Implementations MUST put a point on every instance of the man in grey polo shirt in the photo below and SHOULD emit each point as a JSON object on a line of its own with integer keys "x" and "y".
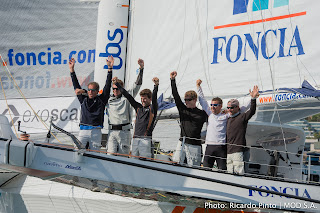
{"x": 120, "y": 116}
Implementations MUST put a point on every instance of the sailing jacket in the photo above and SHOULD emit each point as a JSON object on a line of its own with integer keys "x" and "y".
{"x": 191, "y": 120}
{"x": 92, "y": 110}
{"x": 237, "y": 128}
{"x": 145, "y": 116}
{"x": 119, "y": 109}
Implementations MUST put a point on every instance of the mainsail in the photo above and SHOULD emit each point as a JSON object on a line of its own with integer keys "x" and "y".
{"x": 231, "y": 45}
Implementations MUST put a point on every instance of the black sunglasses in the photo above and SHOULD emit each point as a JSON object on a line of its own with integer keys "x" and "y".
{"x": 215, "y": 105}
{"x": 188, "y": 99}
{"x": 231, "y": 107}
{"x": 92, "y": 90}
{"x": 115, "y": 88}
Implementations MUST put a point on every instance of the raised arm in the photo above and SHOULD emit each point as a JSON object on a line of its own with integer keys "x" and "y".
{"x": 175, "y": 93}
{"x": 137, "y": 85}
{"x": 155, "y": 95}
{"x": 254, "y": 95}
{"x": 73, "y": 75}
{"x": 202, "y": 100}
{"x": 131, "y": 100}
{"x": 106, "y": 90}
{"x": 75, "y": 82}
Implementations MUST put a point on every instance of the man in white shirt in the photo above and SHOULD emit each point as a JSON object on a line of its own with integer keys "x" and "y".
{"x": 216, "y": 149}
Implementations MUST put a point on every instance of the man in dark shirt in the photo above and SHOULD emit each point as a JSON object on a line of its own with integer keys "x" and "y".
{"x": 236, "y": 132}
{"x": 92, "y": 111}
{"x": 191, "y": 122}
{"x": 145, "y": 116}
{"x": 92, "y": 107}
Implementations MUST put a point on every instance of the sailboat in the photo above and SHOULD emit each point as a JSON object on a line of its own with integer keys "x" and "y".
{"x": 231, "y": 45}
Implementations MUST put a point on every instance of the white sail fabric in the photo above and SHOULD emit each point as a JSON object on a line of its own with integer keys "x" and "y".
{"x": 231, "y": 45}
{"x": 37, "y": 38}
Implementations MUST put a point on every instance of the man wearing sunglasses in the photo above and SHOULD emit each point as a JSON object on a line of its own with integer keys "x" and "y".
{"x": 146, "y": 113}
{"x": 191, "y": 122}
{"x": 92, "y": 111}
{"x": 216, "y": 148}
{"x": 92, "y": 107}
{"x": 120, "y": 115}
{"x": 236, "y": 132}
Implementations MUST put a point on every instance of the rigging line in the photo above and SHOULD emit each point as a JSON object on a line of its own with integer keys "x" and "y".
{"x": 201, "y": 47}
{"x": 24, "y": 98}
{"x": 182, "y": 47}
{"x": 273, "y": 86}
{"x": 299, "y": 71}
{"x": 130, "y": 38}
{"x": 207, "y": 39}
{"x": 4, "y": 94}
{"x": 125, "y": 65}
{"x": 297, "y": 56}
{"x": 256, "y": 53}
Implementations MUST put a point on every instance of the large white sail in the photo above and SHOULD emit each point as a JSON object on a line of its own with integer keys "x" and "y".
{"x": 231, "y": 45}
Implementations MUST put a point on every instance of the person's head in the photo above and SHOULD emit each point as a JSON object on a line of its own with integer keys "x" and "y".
{"x": 146, "y": 95}
{"x": 216, "y": 105}
{"x": 93, "y": 89}
{"x": 115, "y": 89}
{"x": 233, "y": 106}
{"x": 190, "y": 99}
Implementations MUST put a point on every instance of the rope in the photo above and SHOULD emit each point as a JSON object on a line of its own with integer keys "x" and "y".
{"x": 24, "y": 98}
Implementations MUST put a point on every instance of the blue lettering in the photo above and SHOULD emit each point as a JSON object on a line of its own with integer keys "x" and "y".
{"x": 266, "y": 194}
{"x": 4, "y": 82}
{"x": 285, "y": 190}
{"x": 20, "y": 61}
{"x": 34, "y": 58}
{"x": 282, "y": 40}
{"x": 82, "y": 54}
{"x": 229, "y": 47}
{"x": 10, "y": 56}
{"x": 49, "y": 56}
{"x": 264, "y": 45}
{"x": 306, "y": 194}
{"x": 57, "y": 59}
{"x": 254, "y": 48}
{"x": 233, "y": 52}
{"x": 115, "y": 45}
{"x": 296, "y": 38}
{"x": 90, "y": 54}
{"x": 275, "y": 189}
{"x": 251, "y": 191}
{"x": 39, "y": 82}
{"x": 40, "y": 58}
{"x": 71, "y": 54}
{"x": 216, "y": 49}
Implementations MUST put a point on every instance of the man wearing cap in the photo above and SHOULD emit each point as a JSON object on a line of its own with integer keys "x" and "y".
{"x": 236, "y": 132}
{"x": 191, "y": 122}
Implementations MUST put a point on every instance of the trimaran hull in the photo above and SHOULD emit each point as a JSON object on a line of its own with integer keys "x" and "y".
{"x": 50, "y": 160}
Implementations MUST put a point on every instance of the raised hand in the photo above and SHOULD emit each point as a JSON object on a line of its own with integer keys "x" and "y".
{"x": 79, "y": 91}
{"x": 173, "y": 75}
{"x": 198, "y": 83}
{"x": 114, "y": 79}
{"x": 71, "y": 64}
{"x": 110, "y": 61}
{"x": 141, "y": 63}
{"x": 255, "y": 92}
{"x": 155, "y": 81}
